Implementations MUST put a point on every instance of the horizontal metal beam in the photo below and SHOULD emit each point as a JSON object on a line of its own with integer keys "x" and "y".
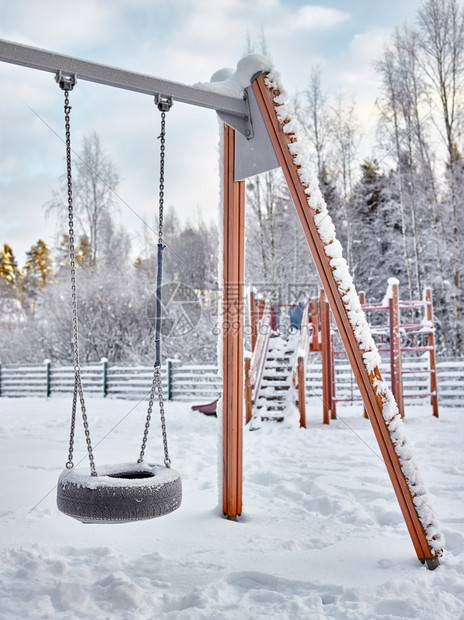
{"x": 44, "y": 60}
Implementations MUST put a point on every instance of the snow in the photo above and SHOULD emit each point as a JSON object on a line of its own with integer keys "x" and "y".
{"x": 232, "y": 83}
{"x": 80, "y": 476}
{"x": 321, "y": 535}
{"x": 391, "y": 282}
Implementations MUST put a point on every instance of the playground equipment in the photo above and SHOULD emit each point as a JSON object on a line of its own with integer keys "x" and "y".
{"x": 208, "y": 408}
{"x": 401, "y": 341}
{"x": 128, "y": 491}
{"x": 259, "y": 134}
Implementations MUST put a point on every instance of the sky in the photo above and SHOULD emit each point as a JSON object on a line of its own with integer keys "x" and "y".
{"x": 183, "y": 41}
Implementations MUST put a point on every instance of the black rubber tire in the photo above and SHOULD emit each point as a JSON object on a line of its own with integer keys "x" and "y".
{"x": 120, "y": 493}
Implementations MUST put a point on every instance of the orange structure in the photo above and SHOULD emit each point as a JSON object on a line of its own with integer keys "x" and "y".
{"x": 421, "y": 340}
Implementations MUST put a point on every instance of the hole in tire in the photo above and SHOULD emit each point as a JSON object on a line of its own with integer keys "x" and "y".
{"x": 133, "y": 475}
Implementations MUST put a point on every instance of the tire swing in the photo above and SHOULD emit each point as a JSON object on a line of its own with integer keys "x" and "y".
{"x": 122, "y": 492}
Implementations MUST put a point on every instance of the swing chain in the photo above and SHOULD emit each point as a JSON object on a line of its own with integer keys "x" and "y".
{"x": 162, "y": 138}
{"x": 164, "y": 105}
{"x": 66, "y": 86}
{"x": 156, "y": 386}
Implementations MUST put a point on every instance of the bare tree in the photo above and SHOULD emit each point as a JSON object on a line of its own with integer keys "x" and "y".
{"x": 441, "y": 40}
{"x": 346, "y": 138}
{"x": 95, "y": 182}
{"x": 316, "y": 119}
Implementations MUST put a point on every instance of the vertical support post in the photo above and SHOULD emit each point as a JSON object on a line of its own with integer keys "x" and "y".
{"x": 48, "y": 382}
{"x": 333, "y": 405}
{"x": 1, "y": 379}
{"x": 302, "y": 390}
{"x": 253, "y": 319}
{"x": 432, "y": 358}
{"x": 104, "y": 362}
{"x": 233, "y": 320}
{"x": 315, "y": 345}
{"x": 261, "y": 304}
{"x": 248, "y": 390}
{"x": 169, "y": 371}
{"x": 395, "y": 348}
{"x": 368, "y": 381}
{"x": 325, "y": 350}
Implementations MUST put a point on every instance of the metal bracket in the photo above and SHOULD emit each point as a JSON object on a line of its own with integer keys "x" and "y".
{"x": 242, "y": 124}
{"x": 163, "y": 102}
{"x": 255, "y": 155}
{"x": 66, "y": 81}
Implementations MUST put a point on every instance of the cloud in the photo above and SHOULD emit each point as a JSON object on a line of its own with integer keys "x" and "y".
{"x": 59, "y": 23}
{"x": 313, "y": 17}
{"x": 184, "y": 41}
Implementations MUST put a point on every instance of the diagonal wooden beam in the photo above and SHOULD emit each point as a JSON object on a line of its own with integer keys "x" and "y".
{"x": 367, "y": 381}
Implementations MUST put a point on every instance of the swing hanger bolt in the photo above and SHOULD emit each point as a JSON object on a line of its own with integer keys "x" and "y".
{"x": 66, "y": 81}
{"x": 164, "y": 102}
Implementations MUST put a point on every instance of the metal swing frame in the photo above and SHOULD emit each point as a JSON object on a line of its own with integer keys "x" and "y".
{"x": 254, "y": 141}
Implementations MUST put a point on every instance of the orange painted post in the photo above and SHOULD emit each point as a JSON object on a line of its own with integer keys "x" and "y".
{"x": 315, "y": 344}
{"x": 261, "y": 306}
{"x": 368, "y": 382}
{"x": 302, "y": 390}
{"x": 248, "y": 390}
{"x": 395, "y": 348}
{"x": 299, "y": 373}
{"x": 253, "y": 319}
{"x": 325, "y": 348}
{"x": 233, "y": 323}
{"x": 432, "y": 358}
{"x": 333, "y": 404}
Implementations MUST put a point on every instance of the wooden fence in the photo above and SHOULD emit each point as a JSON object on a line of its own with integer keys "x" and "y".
{"x": 201, "y": 383}
{"x": 416, "y": 380}
{"x": 180, "y": 382}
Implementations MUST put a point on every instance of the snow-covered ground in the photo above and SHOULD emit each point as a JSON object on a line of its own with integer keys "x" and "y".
{"x": 321, "y": 535}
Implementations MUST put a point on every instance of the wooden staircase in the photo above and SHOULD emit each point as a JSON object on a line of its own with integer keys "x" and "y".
{"x": 276, "y": 387}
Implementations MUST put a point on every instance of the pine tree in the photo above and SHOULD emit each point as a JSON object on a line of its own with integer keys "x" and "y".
{"x": 10, "y": 275}
{"x": 39, "y": 265}
{"x": 83, "y": 252}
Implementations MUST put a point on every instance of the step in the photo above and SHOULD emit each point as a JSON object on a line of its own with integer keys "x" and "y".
{"x": 270, "y": 410}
